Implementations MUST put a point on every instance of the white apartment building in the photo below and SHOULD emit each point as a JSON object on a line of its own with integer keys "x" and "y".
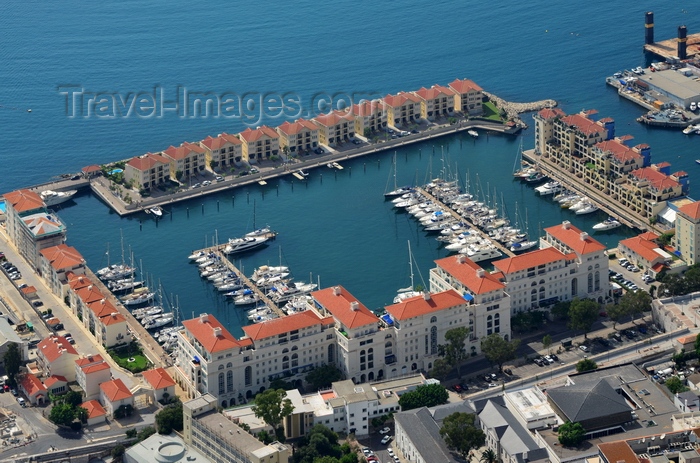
{"x": 488, "y": 303}
{"x": 420, "y": 324}
{"x": 688, "y": 232}
{"x": 588, "y": 278}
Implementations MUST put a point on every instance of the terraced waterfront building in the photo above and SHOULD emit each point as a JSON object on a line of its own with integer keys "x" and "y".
{"x": 586, "y": 149}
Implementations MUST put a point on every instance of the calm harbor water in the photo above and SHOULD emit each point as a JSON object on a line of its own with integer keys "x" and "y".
{"x": 338, "y": 229}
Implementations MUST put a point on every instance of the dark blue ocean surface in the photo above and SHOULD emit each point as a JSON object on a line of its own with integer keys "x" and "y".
{"x": 56, "y": 57}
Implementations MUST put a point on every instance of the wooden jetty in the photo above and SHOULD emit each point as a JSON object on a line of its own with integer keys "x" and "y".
{"x": 219, "y": 251}
{"x": 298, "y": 175}
{"x": 475, "y": 228}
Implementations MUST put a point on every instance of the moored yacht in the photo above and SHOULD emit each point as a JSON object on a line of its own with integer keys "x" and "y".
{"x": 54, "y": 198}
{"x": 607, "y": 224}
{"x": 236, "y": 245}
{"x": 522, "y": 246}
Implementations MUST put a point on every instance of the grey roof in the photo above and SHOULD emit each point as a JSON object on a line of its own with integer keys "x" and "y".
{"x": 7, "y": 333}
{"x": 588, "y": 400}
{"x": 164, "y": 449}
{"x": 690, "y": 396}
{"x": 424, "y": 433}
{"x": 514, "y": 438}
{"x": 441, "y": 411}
{"x": 479, "y": 404}
{"x": 694, "y": 378}
{"x": 673, "y": 82}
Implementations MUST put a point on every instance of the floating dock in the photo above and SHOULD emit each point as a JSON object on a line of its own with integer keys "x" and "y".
{"x": 337, "y": 166}
{"x": 299, "y": 176}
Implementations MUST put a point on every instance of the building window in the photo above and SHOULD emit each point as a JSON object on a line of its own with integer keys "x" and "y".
{"x": 295, "y": 360}
{"x": 433, "y": 340}
{"x": 222, "y": 388}
{"x": 248, "y": 376}
{"x": 229, "y": 381}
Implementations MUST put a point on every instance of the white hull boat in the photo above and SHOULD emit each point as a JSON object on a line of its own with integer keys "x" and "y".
{"x": 607, "y": 224}
{"x": 523, "y": 246}
{"x": 587, "y": 209}
{"x": 54, "y": 198}
{"x": 480, "y": 254}
{"x": 236, "y": 245}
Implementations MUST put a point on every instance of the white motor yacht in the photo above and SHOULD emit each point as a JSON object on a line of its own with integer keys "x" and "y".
{"x": 54, "y": 198}
{"x": 607, "y": 224}
{"x": 236, "y": 245}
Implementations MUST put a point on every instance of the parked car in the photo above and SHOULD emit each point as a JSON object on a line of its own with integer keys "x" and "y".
{"x": 386, "y": 430}
{"x": 196, "y": 185}
{"x": 457, "y": 388}
{"x": 20, "y": 401}
{"x": 37, "y": 303}
{"x": 14, "y": 392}
{"x": 206, "y": 183}
{"x": 357, "y": 142}
{"x": 386, "y": 439}
{"x": 583, "y": 348}
{"x": 366, "y": 451}
{"x": 508, "y": 371}
{"x": 219, "y": 178}
{"x": 22, "y": 286}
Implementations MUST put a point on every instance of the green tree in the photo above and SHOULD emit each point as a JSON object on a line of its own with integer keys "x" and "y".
{"x": 561, "y": 310}
{"x": 170, "y": 418}
{"x": 62, "y": 414}
{"x": 12, "y": 359}
{"x": 586, "y": 365}
{"x": 72, "y": 398}
{"x": 131, "y": 433}
{"x": 178, "y": 175}
{"x": 367, "y": 132}
{"x": 675, "y": 385}
{"x": 146, "y": 432}
{"x": 118, "y": 452}
{"x": 616, "y": 312}
{"x": 497, "y": 350}
{"x": 265, "y": 437}
{"x": 582, "y": 314}
{"x": 279, "y": 383}
{"x": 460, "y": 433}
{"x": 441, "y": 368}
{"x": 455, "y": 351}
{"x": 546, "y": 342}
{"x": 428, "y": 395}
{"x": 81, "y": 414}
{"x": 697, "y": 345}
{"x": 322, "y": 377}
{"x": 571, "y": 434}
{"x": 213, "y": 164}
{"x": 679, "y": 359}
{"x": 272, "y": 407}
{"x": 488, "y": 456}
{"x": 635, "y": 303}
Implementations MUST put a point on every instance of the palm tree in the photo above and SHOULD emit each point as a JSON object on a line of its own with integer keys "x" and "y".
{"x": 488, "y": 456}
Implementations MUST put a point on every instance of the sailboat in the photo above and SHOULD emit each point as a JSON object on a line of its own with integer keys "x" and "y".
{"x": 397, "y": 191}
{"x": 115, "y": 271}
{"x": 524, "y": 244}
{"x": 265, "y": 231}
{"x": 409, "y": 292}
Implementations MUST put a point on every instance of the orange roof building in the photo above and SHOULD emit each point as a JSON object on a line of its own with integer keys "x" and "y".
{"x": 688, "y": 232}
{"x": 644, "y": 251}
{"x": 56, "y": 262}
{"x": 469, "y": 278}
{"x": 148, "y": 170}
{"x": 349, "y": 313}
{"x": 95, "y": 411}
{"x": 300, "y": 135}
{"x": 33, "y": 389}
{"x": 161, "y": 382}
{"x": 260, "y": 143}
{"x": 56, "y": 356}
{"x": 567, "y": 239}
{"x": 307, "y": 321}
{"x": 369, "y": 115}
{"x": 469, "y": 97}
{"x": 115, "y": 394}
{"x": 188, "y": 158}
{"x": 402, "y": 109}
{"x": 335, "y": 127}
{"x": 224, "y": 150}
{"x": 90, "y": 372}
{"x": 436, "y": 101}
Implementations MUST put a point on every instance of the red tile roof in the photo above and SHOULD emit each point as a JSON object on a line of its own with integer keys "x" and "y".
{"x": 643, "y": 247}
{"x": 92, "y": 363}
{"x": 112, "y": 319}
{"x": 31, "y": 384}
{"x": 620, "y": 151}
{"x": 619, "y": 451}
{"x": 339, "y": 302}
{"x": 77, "y": 282}
{"x": 41, "y": 224}
{"x": 529, "y": 260}
{"x": 147, "y": 161}
{"x": 53, "y": 379}
{"x": 573, "y": 238}
{"x": 398, "y": 100}
{"x": 224, "y": 138}
{"x": 658, "y": 180}
{"x": 94, "y": 368}
{"x": 102, "y": 308}
{"x": 158, "y": 378}
{"x": 55, "y": 346}
{"x": 89, "y": 294}
{"x": 551, "y": 113}
{"x": 692, "y": 210}
{"x": 62, "y": 256}
{"x": 468, "y": 273}
{"x": 249, "y": 134}
{"x": 367, "y": 108}
{"x": 436, "y": 91}
{"x": 203, "y": 329}
{"x": 91, "y": 168}
{"x": 297, "y": 321}
{"x": 291, "y": 128}
{"x": 424, "y": 305}
{"x": 115, "y": 390}
{"x": 583, "y": 124}
{"x": 663, "y": 164}
{"x": 28, "y": 290}
{"x": 24, "y": 200}
{"x": 94, "y": 408}
{"x": 183, "y": 151}
{"x": 333, "y": 118}
{"x": 464, "y": 86}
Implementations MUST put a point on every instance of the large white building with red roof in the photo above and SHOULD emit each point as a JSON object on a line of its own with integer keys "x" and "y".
{"x": 90, "y": 372}
{"x": 114, "y": 394}
{"x": 488, "y": 303}
{"x": 419, "y": 324}
{"x": 33, "y": 389}
{"x": 646, "y": 253}
{"x": 688, "y": 232}
{"x": 590, "y": 269}
{"x": 56, "y": 263}
{"x": 56, "y": 356}
{"x": 160, "y": 381}
{"x": 30, "y": 226}
{"x": 147, "y": 171}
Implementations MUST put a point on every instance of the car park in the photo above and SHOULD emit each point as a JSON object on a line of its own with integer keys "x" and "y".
{"x": 386, "y": 439}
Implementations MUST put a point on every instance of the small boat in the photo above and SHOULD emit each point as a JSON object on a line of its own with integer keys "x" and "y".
{"x": 587, "y": 209}
{"x": 196, "y": 255}
{"x": 266, "y": 231}
{"x": 548, "y": 188}
{"x": 473, "y": 133}
{"x": 266, "y": 270}
{"x": 691, "y": 129}
{"x": 302, "y": 173}
{"x": 162, "y": 321}
{"x": 246, "y": 299}
{"x": 54, "y": 198}
{"x": 534, "y": 177}
{"x": 156, "y": 211}
{"x": 138, "y": 299}
{"x": 522, "y": 246}
{"x": 399, "y": 191}
{"x": 607, "y": 224}
{"x": 115, "y": 272}
{"x": 697, "y": 161}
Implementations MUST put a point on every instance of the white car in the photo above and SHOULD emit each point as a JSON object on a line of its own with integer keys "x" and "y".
{"x": 206, "y": 183}
{"x": 386, "y": 440}
{"x": 390, "y": 452}
{"x": 385, "y": 431}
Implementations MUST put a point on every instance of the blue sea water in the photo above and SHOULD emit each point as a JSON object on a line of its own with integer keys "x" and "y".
{"x": 337, "y": 227}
